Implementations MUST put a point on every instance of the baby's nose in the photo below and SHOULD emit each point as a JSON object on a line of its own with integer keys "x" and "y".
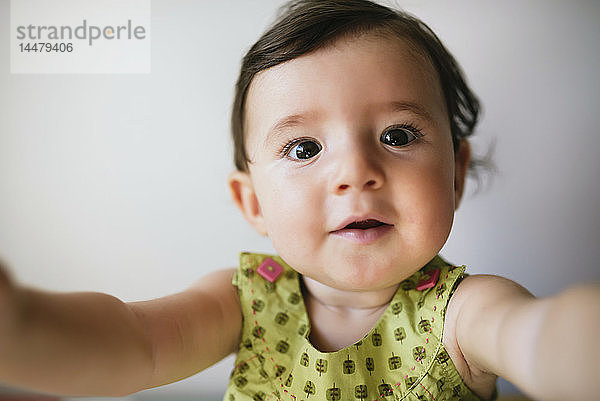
{"x": 359, "y": 172}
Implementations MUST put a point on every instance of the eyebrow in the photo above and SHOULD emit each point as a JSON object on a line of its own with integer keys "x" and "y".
{"x": 292, "y": 120}
{"x": 412, "y": 107}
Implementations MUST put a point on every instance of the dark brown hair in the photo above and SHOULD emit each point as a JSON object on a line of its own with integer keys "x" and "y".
{"x": 305, "y": 26}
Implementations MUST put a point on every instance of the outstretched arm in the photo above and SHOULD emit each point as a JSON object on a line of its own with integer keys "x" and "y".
{"x": 548, "y": 347}
{"x": 192, "y": 330}
{"x": 94, "y": 344}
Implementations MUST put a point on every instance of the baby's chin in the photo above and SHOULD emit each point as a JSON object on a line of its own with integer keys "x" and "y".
{"x": 357, "y": 268}
{"x": 359, "y": 277}
{"x": 371, "y": 281}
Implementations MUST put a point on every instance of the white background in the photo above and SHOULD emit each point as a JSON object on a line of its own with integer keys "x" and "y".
{"x": 117, "y": 183}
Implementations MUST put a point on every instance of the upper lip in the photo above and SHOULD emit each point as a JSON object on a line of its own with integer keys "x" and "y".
{"x": 361, "y": 218}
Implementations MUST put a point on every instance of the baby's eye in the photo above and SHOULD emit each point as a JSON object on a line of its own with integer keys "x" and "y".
{"x": 304, "y": 149}
{"x": 397, "y": 136}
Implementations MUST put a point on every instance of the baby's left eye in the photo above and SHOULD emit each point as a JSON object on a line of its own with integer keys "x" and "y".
{"x": 397, "y": 136}
{"x": 303, "y": 149}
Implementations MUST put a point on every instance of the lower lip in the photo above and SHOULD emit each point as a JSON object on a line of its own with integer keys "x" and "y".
{"x": 363, "y": 237}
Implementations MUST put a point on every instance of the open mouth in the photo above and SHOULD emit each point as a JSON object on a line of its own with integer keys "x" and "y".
{"x": 364, "y": 231}
{"x": 365, "y": 224}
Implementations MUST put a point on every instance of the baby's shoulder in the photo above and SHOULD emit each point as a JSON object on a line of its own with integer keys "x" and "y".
{"x": 474, "y": 311}
{"x": 474, "y": 291}
{"x": 481, "y": 297}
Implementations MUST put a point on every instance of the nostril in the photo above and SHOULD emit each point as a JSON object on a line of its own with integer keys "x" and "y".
{"x": 344, "y": 186}
{"x": 370, "y": 183}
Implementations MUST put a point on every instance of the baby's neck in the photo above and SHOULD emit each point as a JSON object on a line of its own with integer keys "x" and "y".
{"x": 341, "y": 318}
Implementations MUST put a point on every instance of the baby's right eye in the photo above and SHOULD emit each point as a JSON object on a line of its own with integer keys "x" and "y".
{"x": 303, "y": 149}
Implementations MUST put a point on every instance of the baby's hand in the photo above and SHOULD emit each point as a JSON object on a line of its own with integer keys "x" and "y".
{"x": 8, "y": 313}
{"x": 4, "y": 278}
{"x": 5, "y": 294}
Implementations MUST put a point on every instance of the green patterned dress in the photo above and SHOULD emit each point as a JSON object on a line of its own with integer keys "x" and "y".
{"x": 401, "y": 358}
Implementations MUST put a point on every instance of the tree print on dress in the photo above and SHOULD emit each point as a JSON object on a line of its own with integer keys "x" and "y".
{"x": 361, "y": 392}
{"x": 282, "y": 347}
{"x": 424, "y": 326}
{"x": 247, "y": 343}
{"x": 294, "y": 298}
{"x": 442, "y": 357}
{"x": 376, "y": 339}
{"x": 270, "y": 287}
{"x": 419, "y": 353}
{"x": 302, "y": 329}
{"x": 321, "y": 366}
{"x": 421, "y": 301}
{"x": 258, "y": 331}
{"x": 333, "y": 393}
{"x": 279, "y": 370}
{"x": 394, "y": 362}
{"x": 370, "y": 365}
{"x": 248, "y": 273}
{"x": 456, "y": 390}
{"x": 282, "y": 318}
{"x": 309, "y": 388}
{"x": 240, "y": 381}
{"x": 304, "y": 359}
{"x": 349, "y": 367}
{"x": 289, "y": 380}
{"x": 408, "y": 284}
{"x": 258, "y": 305}
{"x": 399, "y": 334}
{"x": 384, "y": 389}
{"x": 243, "y": 368}
{"x": 396, "y": 308}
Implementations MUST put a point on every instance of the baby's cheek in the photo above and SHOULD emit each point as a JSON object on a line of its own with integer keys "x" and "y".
{"x": 439, "y": 215}
{"x": 427, "y": 207}
{"x": 287, "y": 216}
{"x": 295, "y": 229}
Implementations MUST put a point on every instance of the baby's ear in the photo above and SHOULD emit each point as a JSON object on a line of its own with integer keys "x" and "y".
{"x": 462, "y": 158}
{"x": 244, "y": 196}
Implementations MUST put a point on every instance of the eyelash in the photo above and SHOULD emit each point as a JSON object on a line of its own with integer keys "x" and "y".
{"x": 285, "y": 149}
{"x": 411, "y": 126}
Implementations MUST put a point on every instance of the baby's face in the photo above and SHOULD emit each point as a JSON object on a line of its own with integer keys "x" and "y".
{"x": 352, "y": 162}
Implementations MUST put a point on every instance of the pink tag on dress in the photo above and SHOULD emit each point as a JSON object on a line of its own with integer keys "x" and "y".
{"x": 429, "y": 280}
{"x": 270, "y": 269}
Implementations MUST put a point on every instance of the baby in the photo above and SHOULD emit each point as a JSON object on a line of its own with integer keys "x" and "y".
{"x": 350, "y": 125}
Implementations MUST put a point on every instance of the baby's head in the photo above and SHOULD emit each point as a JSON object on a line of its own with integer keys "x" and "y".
{"x": 306, "y": 26}
{"x": 350, "y": 123}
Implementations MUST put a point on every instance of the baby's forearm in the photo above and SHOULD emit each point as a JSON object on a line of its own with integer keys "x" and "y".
{"x": 548, "y": 347}
{"x": 566, "y": 356}
{"x": 72, "y": 344}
